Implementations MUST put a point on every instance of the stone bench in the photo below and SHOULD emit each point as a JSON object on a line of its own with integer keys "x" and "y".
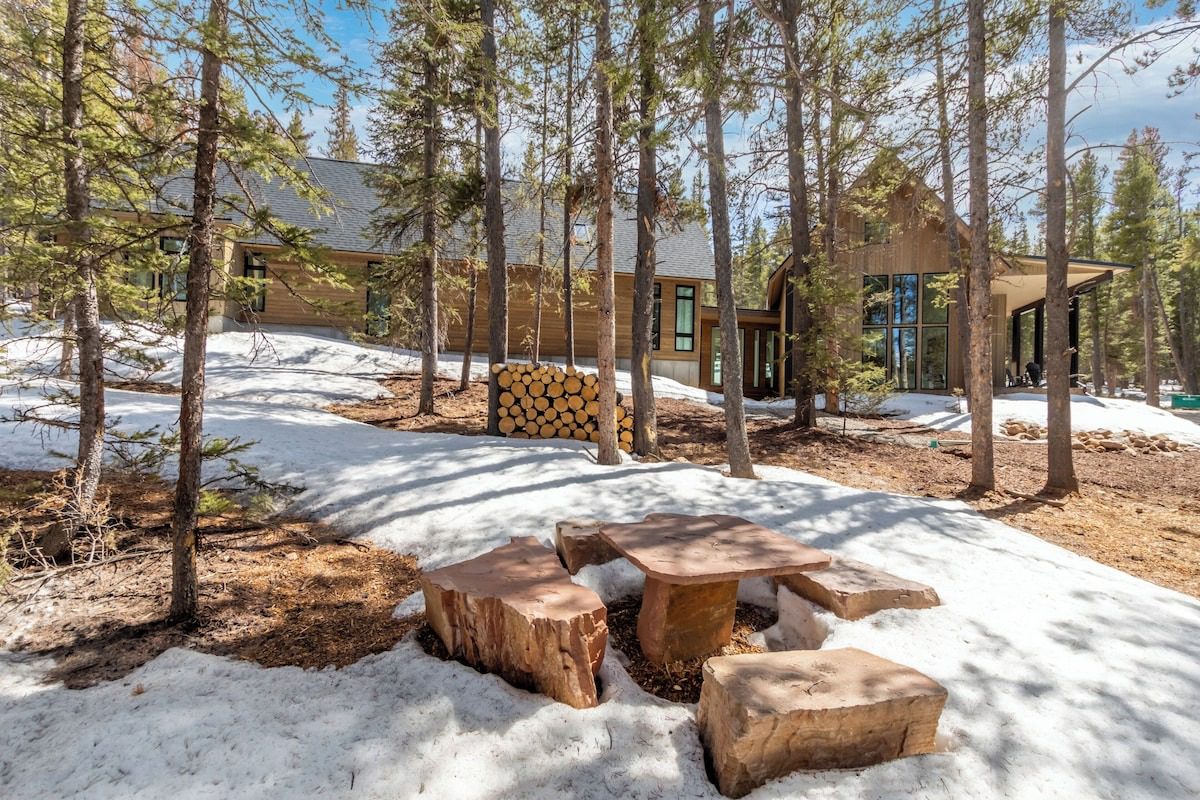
{"x": 853, "y": 590}
{"x": 515, "y": 612}
{"x": 579, "y": 544}
{"x": 765, "y": 715}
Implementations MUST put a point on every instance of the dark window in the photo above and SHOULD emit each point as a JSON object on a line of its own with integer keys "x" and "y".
{"x": 904, "y": 300}
{"x": 685, "y": 318}
{"x": 379, "y": 303}
{"x": 580, "y": 233}
{"x": 256, "y": 268}
{"x": 656, "y": 319}
{"x": 934, "y": 309}
{"x": 904, "y": 357}
{"x": 173, "y": 282}
{"x": 934, "y": 341}
{"x": 875, "y": 299}
{"x": 875, "y": 346}
{"x": 877, "y": 232}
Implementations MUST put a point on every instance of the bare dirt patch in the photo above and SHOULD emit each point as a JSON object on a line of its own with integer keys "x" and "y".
{"x": 1138, "y": 513}
{"x": 276, "y": 591}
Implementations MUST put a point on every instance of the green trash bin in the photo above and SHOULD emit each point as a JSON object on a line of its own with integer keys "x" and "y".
{"x": 1185, "y": 401}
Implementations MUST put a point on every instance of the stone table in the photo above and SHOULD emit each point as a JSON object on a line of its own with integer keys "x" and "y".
{"x": 692, "y": 567}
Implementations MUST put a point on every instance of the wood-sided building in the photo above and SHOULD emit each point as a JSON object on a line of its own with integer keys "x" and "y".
{"x": 292, "y": 298}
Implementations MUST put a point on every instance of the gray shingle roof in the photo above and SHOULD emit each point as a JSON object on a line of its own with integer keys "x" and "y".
{"x": 683, "y": 252}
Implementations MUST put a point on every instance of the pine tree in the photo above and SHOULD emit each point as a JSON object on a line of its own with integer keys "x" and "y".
{"x": 342, "y": 140}
{"x": 606, "y": 334}
{"x": 297, "y": 134}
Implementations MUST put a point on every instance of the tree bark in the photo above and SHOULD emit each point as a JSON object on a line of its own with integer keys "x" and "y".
{"x": 464, "y": 381}
{"x": 429, "y": 256}
{"x": 983, "y": 473}
{"x": 1149, "y": 334}
{"x": 606, "y": 334}
{"x": 568, "y": 198}
{"x": 493, "y": 212}
{"x": 802, "y": 321}
{"x": 645, "y": 424}
{"x": 89, "y": 456}
{"x": 955, "y": 263}
{"x": 184, "y": 590}
{"x": 1189, "y": 327}
{"x": 1060, "y": 472}
{"x": 736, "y": 442}
{"x": 1173, "y": 338}
{"x": 541, "y": 252}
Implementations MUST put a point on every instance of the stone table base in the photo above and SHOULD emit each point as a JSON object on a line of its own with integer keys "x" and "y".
{"x": 682, "y": 621}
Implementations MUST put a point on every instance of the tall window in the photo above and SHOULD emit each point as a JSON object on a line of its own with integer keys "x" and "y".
{"x": 379, "y": 303}
{"x": 878, "y": 231}
{"x": 255, "y": 267}
{"x": 656, "y": 319}
{"x": 905, "y": 329}
{"x": 685, "y": 318}
{"x": 173, "y": 282}
{"x": 904, "y": 299}
{"x": 935, "y": 333}
{"x": 716, "y": 352}
{"x": 875, "y": 319}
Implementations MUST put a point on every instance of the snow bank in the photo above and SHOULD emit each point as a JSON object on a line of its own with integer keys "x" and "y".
{"x": 1088, "y": 413}
{"x": 1066, "y": 678}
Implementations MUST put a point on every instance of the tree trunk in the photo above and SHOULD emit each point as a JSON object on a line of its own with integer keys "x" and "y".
{"x": 1060, "y": 472}
{"x": 541, "y": 253}
{"x": 1097, "y": 342}
{"x": 802, "y": 382}
{"x": 464, "y": 381}
{"x": 66, "y": 355}
{"x": 1149, "y": 335}
{"x": 955, "y": 263}
{"x": 736, "y": 441}
{"x": 1173, "y": 338}
{"x": 568, "y": 199}
{"x": 1189, "y": 327}
{"x": 833, "y": 178}
{"x": 983, "y": 474}
{"x": 645, "y": 424}
{"x": 184, "y": 590}
{"x": 606, "y": 334}
{"x": 493, "y": 221}
{"x": 89, "y": 456}
{"x": 429, "y": 256}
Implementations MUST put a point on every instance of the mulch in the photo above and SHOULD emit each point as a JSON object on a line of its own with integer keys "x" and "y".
{"x": 275, "y": 591}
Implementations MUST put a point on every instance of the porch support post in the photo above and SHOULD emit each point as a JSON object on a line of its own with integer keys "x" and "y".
{"x": 1073, "y": 336}
{"x": 1039, "y": 332}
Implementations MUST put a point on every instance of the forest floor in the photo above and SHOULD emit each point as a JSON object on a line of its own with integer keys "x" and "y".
{"x": 275, "y": 591}
{"x": 1139, "y": 513}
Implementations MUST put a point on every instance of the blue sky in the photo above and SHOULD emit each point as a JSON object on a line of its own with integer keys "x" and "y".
{"x": 1113, "y": 103}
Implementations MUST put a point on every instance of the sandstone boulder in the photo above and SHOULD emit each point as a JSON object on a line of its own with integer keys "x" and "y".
{"x": 764, "y": 715}
{"x": 514, "y": 611}
{"x": 853, "y": 590}
{"x": 579, "y": 544}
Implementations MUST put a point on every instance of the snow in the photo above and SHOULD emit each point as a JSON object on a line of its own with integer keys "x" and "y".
{"x": 1088, "y": 413}
{"x": 1066, "y": 678}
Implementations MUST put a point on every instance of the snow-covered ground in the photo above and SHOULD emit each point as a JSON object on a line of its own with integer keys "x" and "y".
{"x": 1088, "y": 413}
{"x": 1066, "y": 678}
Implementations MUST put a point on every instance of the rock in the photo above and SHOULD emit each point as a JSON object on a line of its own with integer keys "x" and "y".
{"x": 682, "y": 621}
{"x": 514, "y": 611}
{"x": 1112, "y": 444}
{"x": 764, "y": 715}
{"x": 579, "y": 544}
{"x": 853, "y": 590}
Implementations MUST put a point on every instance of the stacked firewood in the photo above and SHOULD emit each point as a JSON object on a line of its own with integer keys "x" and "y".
{"x": 541, "y": 401}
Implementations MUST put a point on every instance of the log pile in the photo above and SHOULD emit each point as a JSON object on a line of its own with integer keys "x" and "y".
{"x": 546, "y": 402}
{"x": 1097, "y": 441}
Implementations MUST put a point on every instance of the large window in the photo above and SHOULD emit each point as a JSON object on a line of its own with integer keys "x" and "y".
{"x": 716, "y": 352}
{"x": 656, "y": 319}
{"x": 904, "y": 357}
{"x": 173, "y": 282}
{"x": 255, "y": 267}
{"x": 934, "y": 307}
{"x": 685, "y": 318}
{"x": 379, "y": 303}
{"x": 934, "y": 344}
{"x": 905, "y": 329}
{"x": 904, "y": 299}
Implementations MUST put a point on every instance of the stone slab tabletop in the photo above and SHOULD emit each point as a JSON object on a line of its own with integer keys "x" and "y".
{"x": 682, "y": 549}
{"x": 525, "y": 574}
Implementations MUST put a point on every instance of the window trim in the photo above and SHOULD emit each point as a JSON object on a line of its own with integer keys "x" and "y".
{"x": 656, "y": 318}
{"x": 921, "y": 334}
{"x": 689, "y": 300}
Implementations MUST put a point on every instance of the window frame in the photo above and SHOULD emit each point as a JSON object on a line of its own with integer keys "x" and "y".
{"x": 180, "y": 293}
{"x": 656, "y": 318}
{"x": 923, "y": 333}
{"x": 943, "y": 312}
{"x": 689, "y": 301}
{"x": 898, "y": 318}
{"x": 386, "y": 318}
{"x": 251, "y": 262}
